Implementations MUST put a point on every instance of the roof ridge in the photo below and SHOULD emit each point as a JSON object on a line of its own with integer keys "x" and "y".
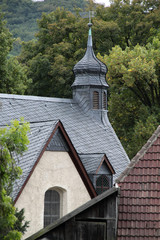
{"x": 36, "y": 98}
{"x": 92, "y": 154}
{"x": 137, "y": 157}
{"x": 48, "y": 122}
{"x": 37, "y": 123}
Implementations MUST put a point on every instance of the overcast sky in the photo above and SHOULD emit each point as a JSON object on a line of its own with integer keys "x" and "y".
{"x": 105, "y": 2}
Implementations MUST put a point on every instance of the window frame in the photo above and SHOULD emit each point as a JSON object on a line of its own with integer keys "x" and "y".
{"x": 53, "y": 203}
{"x": 100, "y": 188}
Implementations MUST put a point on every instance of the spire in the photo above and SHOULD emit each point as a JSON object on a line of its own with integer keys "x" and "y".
{"x": 90, "y": 86}
{"x": 90, "y": 65}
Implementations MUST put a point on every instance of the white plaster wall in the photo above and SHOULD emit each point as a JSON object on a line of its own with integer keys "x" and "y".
{"x": 54, "y": 170}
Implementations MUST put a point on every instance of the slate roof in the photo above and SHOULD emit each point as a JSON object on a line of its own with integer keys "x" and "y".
{"x": 139, "y": 206}
{"x": 87, "y": 135}
{"x": 88, "y": 159}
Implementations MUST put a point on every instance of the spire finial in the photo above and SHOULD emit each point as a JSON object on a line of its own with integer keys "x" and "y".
{"x": 90, "y": 26}
{"x": 90, "y": 14}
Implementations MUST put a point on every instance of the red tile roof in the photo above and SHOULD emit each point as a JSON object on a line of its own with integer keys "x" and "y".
{"x": 139, "y": 204}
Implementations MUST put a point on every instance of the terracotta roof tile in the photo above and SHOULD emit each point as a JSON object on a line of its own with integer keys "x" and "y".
{"x": 139, "y": 205}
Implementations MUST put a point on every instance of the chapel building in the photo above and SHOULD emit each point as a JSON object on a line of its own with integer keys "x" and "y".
{"x": 74, "y": 154}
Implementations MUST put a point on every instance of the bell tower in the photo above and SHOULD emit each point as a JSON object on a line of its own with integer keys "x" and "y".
{"x": 90, "y": 86}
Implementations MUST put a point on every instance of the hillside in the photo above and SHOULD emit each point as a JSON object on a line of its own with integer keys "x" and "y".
{"x": 22, "y": 15}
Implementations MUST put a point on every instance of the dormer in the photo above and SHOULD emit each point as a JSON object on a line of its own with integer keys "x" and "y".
{"x": 90, "y": 86}
{"x": 99, "y": 170}
{"x": 103, "y": 178}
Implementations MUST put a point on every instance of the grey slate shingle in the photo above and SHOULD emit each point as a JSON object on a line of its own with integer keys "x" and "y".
{"x": 91, "y": 162}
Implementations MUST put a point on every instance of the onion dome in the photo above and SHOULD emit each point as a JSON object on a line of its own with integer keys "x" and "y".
{"x": 90, "y": 70}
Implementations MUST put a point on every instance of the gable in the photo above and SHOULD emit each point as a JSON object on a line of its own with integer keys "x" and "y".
{"x": 54, "y": 138}
{"x": 93, "y": 163}
{"x": 100, "y": 171}
{"x": 55, "y": 170}
{"x": 58, "y": 142}
{"x": 105, "y": 167}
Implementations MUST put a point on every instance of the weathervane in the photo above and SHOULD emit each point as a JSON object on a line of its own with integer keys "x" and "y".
{"x": 89, "y": 14}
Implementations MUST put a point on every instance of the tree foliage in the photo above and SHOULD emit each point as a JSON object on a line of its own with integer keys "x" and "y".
{"x": 133, "y": 21}
{"x": 13, "y": 142}
{"x": 134, "y": 77}
{"x": 22, "y": 15}
{"x": 62, "y": 38}
{"x": 61, "y": 42}
{"x": 13, "y": 78}
{"x": 5, "y": 45}
{"x": 137, "y": 20}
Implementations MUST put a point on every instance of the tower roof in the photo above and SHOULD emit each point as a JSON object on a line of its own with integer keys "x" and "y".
{"x": 91, "y": 66}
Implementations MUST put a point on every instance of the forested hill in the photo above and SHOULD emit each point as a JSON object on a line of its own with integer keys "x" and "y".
{"x": 22, "y": 15}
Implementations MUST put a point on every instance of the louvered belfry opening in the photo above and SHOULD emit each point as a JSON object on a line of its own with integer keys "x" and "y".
{"x": 51, "y": 207}
{"x": 95, "y": 100}
{"x": 104, "y": 101}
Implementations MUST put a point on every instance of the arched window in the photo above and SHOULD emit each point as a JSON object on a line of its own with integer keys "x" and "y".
{"x": 95, "y": 100}
{"x": 51, "y": 207}
{"x": 104, "y": 101}
{"x": 102, "y": 184}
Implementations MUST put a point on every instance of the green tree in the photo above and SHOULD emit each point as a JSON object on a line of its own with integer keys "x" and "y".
{"x": 5, "y": 46}
{"x": 137, "y": 20}
{"x": 134, "y": 79}
{"x": 22, "y": 15}
{"x": 138, "y": 70}
{"x": 13, "y": 78}
{"x": 13, "y": 142}
{"x": 61, "y": 42}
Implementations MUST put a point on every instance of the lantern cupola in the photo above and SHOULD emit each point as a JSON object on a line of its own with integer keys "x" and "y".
{"x": 90, "y": 86}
